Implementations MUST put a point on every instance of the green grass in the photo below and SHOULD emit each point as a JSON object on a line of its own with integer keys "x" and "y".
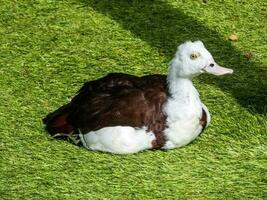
{"x": 49, "y": 48}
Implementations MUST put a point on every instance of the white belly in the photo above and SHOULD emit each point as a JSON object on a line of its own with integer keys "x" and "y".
{"x": 118, "y": 139}
{"x": 126, "y": 139}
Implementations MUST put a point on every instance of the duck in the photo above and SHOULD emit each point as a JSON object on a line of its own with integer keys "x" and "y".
{"x": 124, "y": 114}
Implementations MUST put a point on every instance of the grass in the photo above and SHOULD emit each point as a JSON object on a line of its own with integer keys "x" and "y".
{"x": 49, "y": 48}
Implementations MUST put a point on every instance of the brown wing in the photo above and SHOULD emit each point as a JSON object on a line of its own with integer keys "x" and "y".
{"x": 120, "y": 99}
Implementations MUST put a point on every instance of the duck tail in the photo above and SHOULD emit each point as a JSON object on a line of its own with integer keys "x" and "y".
{"x": 56, "y": 122}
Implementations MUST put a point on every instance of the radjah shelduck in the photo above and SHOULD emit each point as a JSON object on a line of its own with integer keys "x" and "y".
{"x": 123, "y": 114}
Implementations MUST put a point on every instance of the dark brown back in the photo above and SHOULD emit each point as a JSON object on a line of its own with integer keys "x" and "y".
{"x": 120, "y": 99}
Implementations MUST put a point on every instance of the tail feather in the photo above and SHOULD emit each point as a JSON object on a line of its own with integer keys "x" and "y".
{"x": 56, "y": 122}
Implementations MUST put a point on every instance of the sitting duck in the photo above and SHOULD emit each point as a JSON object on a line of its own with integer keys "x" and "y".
{"x": 123, "y": 114}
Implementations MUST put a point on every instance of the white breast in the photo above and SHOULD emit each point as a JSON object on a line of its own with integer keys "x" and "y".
{"x": 183, "y": 127}
{"x": 183, "y": 111}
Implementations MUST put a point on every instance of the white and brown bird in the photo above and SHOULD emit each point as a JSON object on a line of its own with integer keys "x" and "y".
{"x": 122, "y": 113}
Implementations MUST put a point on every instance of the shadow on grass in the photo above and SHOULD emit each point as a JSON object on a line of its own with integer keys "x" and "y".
{"x": 164, "y": 27}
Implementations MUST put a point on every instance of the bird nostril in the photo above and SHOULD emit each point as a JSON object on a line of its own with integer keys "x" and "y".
{"x": 212, "y": 65}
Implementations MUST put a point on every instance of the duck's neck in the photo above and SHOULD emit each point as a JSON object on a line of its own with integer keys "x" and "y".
{"x": 184, "y": 101}
{"x": 182, "y": 89}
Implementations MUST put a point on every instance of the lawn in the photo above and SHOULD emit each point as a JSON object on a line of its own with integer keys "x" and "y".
{"x": 49, "y": 48}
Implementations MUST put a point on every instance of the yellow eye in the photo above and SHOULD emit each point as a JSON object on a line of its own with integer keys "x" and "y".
{"x": 194, "y": 56}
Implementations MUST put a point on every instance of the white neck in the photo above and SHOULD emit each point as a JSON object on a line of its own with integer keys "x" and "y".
{"x": 180, "y": 87}
{"x": 184, "y": 99}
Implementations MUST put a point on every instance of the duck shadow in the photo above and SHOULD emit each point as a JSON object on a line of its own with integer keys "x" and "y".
{"x": 164, "y": 27}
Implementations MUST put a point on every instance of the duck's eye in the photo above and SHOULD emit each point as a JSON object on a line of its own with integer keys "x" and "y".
{"x": 194, "y": 56}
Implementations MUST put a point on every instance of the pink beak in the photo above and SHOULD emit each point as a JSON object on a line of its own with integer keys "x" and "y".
{"x": 217, "y": 70}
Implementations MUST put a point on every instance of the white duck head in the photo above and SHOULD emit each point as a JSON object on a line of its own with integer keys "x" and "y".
{"x": 192, "y": 59}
